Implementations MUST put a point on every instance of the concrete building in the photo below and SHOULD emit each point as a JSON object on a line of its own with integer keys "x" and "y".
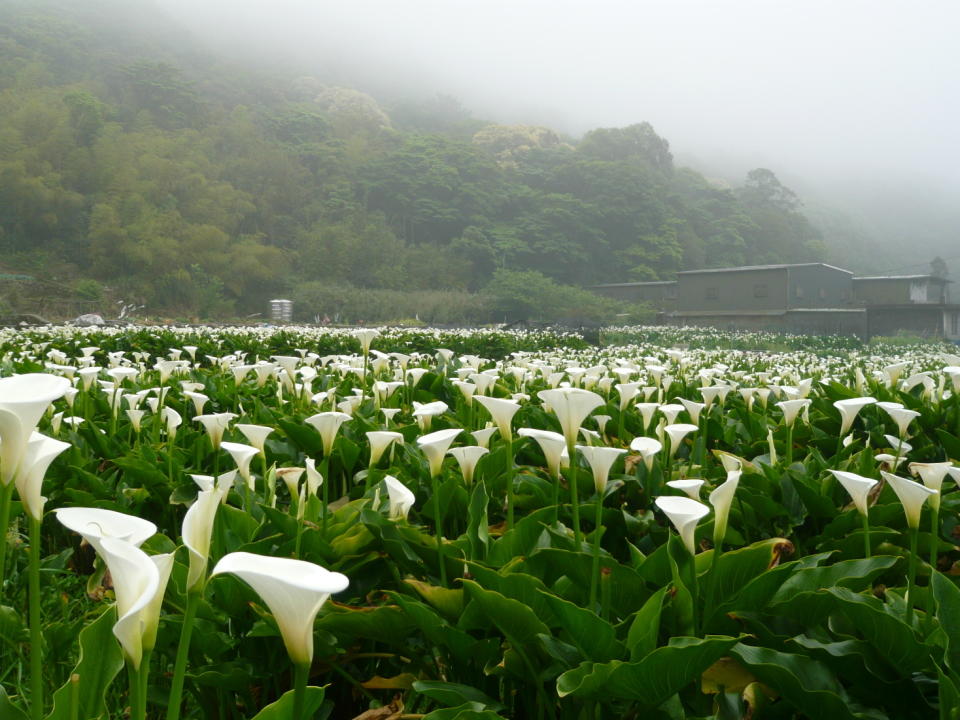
{"x": 813, "y": 298}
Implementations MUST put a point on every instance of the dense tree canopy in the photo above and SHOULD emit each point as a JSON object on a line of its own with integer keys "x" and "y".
{"x": 129, "y": 157}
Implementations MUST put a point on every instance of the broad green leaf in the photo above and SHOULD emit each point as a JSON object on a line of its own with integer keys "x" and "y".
{"x": 282, "y": 709}
{"x": 645, "y": 628}
{"x": 853, "y": 574}
{"x": 650, "y": 681}
{"x": 594, "y": 636}
{"x": 100, "y": 661}
{"x": 438, "y": 631}
{"x": 386, "y": 623}
{"x": 447, "y": 601}
{"x": 477, "y": 522}
{"x": 454, "y": 694}
{"x": 807, "y": 684}
{"x": 467, "y": 711}
{"x": 525, "y": 537}
{"x": 683, "y": 570}
{"x": 949, "y": 698}
{"x": 9, "y": 711}
{"x": 947, "y": 597}
{"x": 515, "y": 620}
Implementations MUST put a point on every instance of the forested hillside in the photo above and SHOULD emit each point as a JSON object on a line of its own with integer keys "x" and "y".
{"x": 131, "y": 158}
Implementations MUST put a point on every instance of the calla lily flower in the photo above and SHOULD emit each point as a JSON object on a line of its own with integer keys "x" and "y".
{"x": 328, "y": 425}
{"x": 571, "y": 406}
{"x": 689, "y": 487}
{"x": 900, "y": 415}
{"x": 23, "y": 400}
{"x": 242, "y": 455}
{"x": 792, "y": 408}
{"x": 648, "y": 448}
{"x": 380, "y": 442}
{"x": 256, "y": 435}
{"x": 912, "y": 496}
{"x": 857, "y": 486}
{"x": 722, "y": 498}
{"x": 425, "y": 412}
{"x": 671, "y": 411}
{"x": 366, "y": 336}
{"x": 849, "y": 409}
{"x": 627, "y": 392}
{"x": 684, "y": 513}
{"x": 693, "y": 409}
{"x": 646, "y": 412}
{"x": 677, "y": 433}
{"x": 139, "y": 591}
{"x": 502, "y": 412}
{"x": 222, "y": 483}
{"x": 171, "y": 421}
{"x": 197, "y": 531}
{"x": 199, "y": 401}
{"x": 932, "y": 475}
{"x": 215, "y": 425}
{"x": 293, "y": 590}
{"x": 41, "y": 451}
{"x": 483, "y": 436}
{"x": 552, "y": 445}
{"x": 94, "y": 524}
{"x": 600, "y": 459}
{"x": 291, "y": 478}
{"x": 467, "y": 457}
{"x": 401, "y": 498}
{"x": 314, "y": 478}
{"x": 435, "y": 445}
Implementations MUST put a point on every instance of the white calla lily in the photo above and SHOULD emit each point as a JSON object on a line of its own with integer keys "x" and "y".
{"x": 256, "y": 435}
{"x": 722, "y": 499}
{"x": 600, "y": 459}
{"x": 552, "y": 445}
{"x": 23, "y": 400}
{"x": 94, "y": 524}
{"x": 293, "y": 590}
{"x": 677, "y": 432}
{"x": 242, "y": 455}
{"x": 690, "y": 487}
{"x": 197, "y": 532}
{"x": 571, "y": 406}
{"x": 684, "y": 513}
{"x": 435, "y": 445}
{"x": 41, "y": 451}
{"x": 401, "y": 498}
{"x": 328, "y": 425}
{"x": 502, "y": 412}
{"x": 648, "y": 448}
{"x": 215, "y": 425}
{"x": 912, "y": 496}
{"x": 380, "y": 441}
{"x": 849, "y": 409}
{"x": 857, "y": 486}
{"x": 467, "y": 457}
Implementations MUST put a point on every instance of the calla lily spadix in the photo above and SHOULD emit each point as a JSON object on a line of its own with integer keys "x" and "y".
{"x": 684, "y": 513}
{"x": 849, "y": 409}
{"x": 912, "y": 496}
{"x": 293, "y": 590}
{"x": 23, "y": 400}
{"x": 197, "y": 531}
{"x": 600, "y": 459}
{"x": 689, "y": 487}
{"x": 328, "y": 425}
{"x": 858, "y": 487}
{"x": 401, "y": 498}
{"x": 41, "y": 451}
{"x": 467, "y": 457}
{"x": 435, "y": 445}
{"x": 502, "y": 412}
{"x": 648, "y": 448}
{"x": 571, "y": 406}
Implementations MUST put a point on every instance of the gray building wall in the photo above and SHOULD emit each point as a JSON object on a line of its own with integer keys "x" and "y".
{"x": 899, "y": 291}
{"x": 760, "y": 289}
{"x": 660, "y": 295}
{"x": 819, "y": 286}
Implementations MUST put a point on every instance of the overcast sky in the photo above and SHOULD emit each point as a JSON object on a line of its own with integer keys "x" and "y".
{"x": 827, "y": 93}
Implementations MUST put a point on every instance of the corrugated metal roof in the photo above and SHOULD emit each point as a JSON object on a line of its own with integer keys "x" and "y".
{"x": 647, "y": 283}
{"x": 748, "y": 268}
{"x": 903, "y": 277}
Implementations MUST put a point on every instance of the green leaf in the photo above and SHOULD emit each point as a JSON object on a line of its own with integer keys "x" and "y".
{"x": 526, "y": 536}
{"x": 478, "y": 522}
{"x": 282, "y": 709}
{"x": 683, "y": 570}
{"x": 650, "y": 681}
{"x": 9, "y": 711}
{"x": 593, "y": 636}
{"x": 519, "y": 624}
{"x": 645, "y": 628}
{"x": 452, "y": 694}
{"x": 949, "y": 699}
{"x": 386, "y": 623}
{"x": 853, "y": 574}
{"x": 947, "y": 597}
{"x": 467, "y": 711}
{"x": 100, "y": 661}
{"x": 807, "y": 684}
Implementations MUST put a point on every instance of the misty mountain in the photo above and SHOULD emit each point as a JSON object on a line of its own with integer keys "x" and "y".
{"x": 135, "y": 156}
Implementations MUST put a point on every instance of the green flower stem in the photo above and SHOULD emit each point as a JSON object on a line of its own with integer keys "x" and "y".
{"x": 911, "y": 575}
{"x": 595, "y": 571}
{"x": 934, "y": 534}
{"x": 135, "y": 692}
{"x": 606, "y": 579}
{"x": 144, "y": 678}
{"x": 620, "y": 428}
{"x": 789, "y": 448}
{"x": 574, "y": 494}
{"x": 712, "y": 577}
{"x": 508, "y": 475}
{"x": 301, "y": 673}
{"x": 556, "y": 497}
{"x": 36, "y": 637}
{"x": 6, "y": 500}
{"x": 74, "y": 697}
{"x": 325, "y": 487}
{"x": 438, "y": 521}
{"x": 183, "y": 650}
{"x": 866, "y": 535}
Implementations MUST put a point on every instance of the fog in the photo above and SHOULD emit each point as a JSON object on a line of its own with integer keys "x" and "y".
{"x": 854, "y": 104}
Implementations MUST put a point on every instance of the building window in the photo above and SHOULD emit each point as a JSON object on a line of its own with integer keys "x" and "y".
{"x": 844, "y": 295}
{"x": 798, "y": 291}
{"x": 712, "y": 293}
{"x": 823, "y": 293}
{"x": 760, "y": 291}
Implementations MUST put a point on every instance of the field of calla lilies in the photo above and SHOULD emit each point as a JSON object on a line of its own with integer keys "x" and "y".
{"x": 382, "y": 524}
